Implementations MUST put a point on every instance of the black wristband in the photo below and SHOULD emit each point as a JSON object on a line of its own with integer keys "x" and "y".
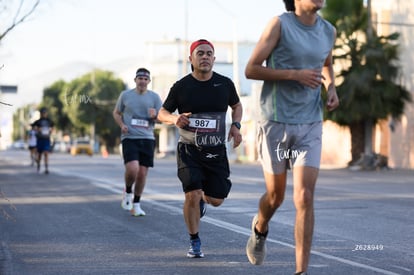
{"x": 236, "y": 124}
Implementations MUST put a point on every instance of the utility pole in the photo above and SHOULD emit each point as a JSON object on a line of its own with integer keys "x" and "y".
{"x": 368, "y": 151}
{"x": 185, "y": 42}
{"x": 235, "y": 58}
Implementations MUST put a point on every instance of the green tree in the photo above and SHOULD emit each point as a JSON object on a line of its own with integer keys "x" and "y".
{"x": 53, "y": 101}
{"x": 21, "y": 122}
{"x": 369, "y": 89}
{"x": 89, "y": 101}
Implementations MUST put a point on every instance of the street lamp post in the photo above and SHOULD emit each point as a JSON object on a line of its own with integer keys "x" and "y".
{"x": 368, "y": 152}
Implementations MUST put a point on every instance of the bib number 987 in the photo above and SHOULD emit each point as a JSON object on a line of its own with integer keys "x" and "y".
{"x": 203, "y": 123}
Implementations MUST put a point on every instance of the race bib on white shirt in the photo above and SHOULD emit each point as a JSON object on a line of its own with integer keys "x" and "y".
{"x": 136, "y": 122}
{"x": 44, "y": 131}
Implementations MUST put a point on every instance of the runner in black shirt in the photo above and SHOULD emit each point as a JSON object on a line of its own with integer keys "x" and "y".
{"x": 43, "y": 127}
{"x": 202, "y": 99}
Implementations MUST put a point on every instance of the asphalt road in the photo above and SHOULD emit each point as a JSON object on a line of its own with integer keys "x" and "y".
{"x": 71, "y": 222}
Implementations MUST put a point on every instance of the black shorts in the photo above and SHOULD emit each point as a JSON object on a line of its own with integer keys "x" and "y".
{"x": 204, "y": 168}
{"x": 141, "y": 150}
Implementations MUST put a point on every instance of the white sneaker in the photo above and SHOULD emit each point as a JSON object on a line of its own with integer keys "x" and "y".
{"x": 137, "y": 211}
{"x": 127, "y": 201}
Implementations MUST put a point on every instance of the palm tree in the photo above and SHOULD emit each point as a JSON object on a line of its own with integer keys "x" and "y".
{"x": 369, "y": 89}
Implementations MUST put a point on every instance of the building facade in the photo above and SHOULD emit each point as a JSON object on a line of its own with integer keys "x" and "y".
{"x": 395, "y": 139}
{"x": 391, "y": 138}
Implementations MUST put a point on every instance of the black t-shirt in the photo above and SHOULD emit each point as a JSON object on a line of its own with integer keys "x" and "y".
{"x": 191, "y": 95}
{"x": 43, "y": 127}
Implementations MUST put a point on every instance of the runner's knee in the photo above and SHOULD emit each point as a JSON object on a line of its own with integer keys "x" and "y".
{"x": 303, "y": 198}
{"x": 213, "y": 201}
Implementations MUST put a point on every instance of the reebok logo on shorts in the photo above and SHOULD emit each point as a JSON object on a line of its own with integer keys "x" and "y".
{"x": 211, "y": 156}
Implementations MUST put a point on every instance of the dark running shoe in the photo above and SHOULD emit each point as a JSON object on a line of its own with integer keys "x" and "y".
{"x": 203, "y": 208}
{"x": 256, "y": 246}
{"x": 195, "y": 249}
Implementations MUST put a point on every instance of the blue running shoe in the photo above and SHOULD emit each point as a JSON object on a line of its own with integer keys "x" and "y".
{"x": 203, "y": 208}
{"x": 195, "y": 249}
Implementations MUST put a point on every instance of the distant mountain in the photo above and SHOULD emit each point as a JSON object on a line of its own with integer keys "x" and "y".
{"x": 30, "y": 89}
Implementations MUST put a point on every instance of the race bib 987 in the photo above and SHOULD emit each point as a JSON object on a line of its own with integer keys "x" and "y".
{"x": 203, "y": 123}
{"x": 205, "y": 129}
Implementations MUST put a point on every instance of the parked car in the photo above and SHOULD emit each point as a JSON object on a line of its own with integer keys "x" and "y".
{"x": 81, "y": 146}
{"x": 19, "y": 145}
{"x": 61, "y": 147}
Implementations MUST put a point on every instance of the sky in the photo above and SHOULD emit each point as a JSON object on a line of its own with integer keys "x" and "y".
{"x": 102, "y": 31}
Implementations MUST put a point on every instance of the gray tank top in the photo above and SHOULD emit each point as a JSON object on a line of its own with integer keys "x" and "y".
{"x": 299, "y": 47}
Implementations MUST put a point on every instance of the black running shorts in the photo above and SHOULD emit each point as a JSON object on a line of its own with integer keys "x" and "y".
{"x": 141, "y": 150}
{"x": 205, "y": 168}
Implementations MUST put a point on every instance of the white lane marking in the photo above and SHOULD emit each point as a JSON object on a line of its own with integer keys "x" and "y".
{"x": 113, "y": 187}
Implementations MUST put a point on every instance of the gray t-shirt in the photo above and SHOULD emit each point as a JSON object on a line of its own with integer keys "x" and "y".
{"x": 135, "y": 113}
{"x": 299, "y": 47}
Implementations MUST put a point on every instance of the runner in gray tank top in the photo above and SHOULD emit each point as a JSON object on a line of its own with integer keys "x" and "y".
{"x": 297, "y": 47}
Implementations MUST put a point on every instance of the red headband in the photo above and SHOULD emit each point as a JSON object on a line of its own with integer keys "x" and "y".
{"x": 197, "y": 43}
